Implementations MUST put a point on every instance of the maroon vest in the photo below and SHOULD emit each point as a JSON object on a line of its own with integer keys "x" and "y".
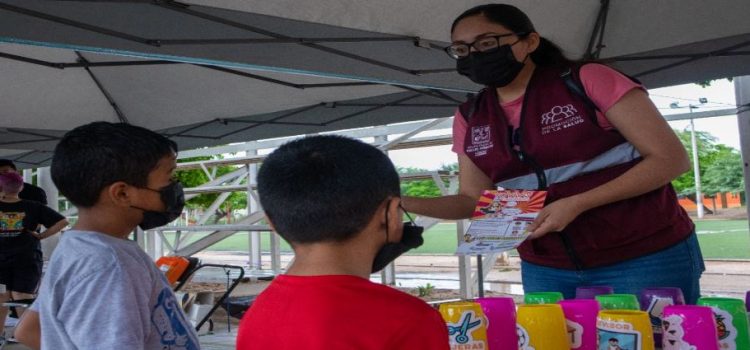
{"x": 560, "y": 147}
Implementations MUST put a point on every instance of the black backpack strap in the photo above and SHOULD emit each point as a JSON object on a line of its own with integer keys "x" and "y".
{"x": 471, "y": 105}
{"x": 573, "y": 83}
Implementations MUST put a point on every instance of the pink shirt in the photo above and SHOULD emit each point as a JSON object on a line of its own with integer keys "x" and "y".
{"x": 604, "y": 86}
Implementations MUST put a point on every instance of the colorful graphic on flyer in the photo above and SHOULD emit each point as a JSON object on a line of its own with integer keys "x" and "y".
{"x": 500, "y": 221}
{"x": 509, "y": 204}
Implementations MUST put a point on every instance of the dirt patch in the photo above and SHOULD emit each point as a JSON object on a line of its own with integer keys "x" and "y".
{"x": 441, "y": 295}
{"x": 723, "y": 214}
{"x": 196, "y": 287}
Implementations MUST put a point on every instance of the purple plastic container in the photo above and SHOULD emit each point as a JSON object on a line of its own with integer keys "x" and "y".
{"x": 654, "y": 300}
{"x": 589, "y": 292}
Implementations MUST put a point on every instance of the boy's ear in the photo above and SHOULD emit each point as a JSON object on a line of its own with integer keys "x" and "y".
{"x": 392, "y": 206}
{"x": 395, "y": 223}
{"x": 119, "y": 193}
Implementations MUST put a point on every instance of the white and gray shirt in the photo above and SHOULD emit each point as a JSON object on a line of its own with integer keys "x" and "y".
{"x": 102, "y": 292}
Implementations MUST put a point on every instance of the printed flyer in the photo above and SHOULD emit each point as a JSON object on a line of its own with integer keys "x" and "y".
{"x": 500, "y": 220}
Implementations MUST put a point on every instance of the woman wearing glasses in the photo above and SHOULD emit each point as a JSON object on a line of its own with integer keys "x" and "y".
{"x": 586, "y": 134}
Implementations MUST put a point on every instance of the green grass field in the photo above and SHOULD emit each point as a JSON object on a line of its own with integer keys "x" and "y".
{"x": 724, "y": 239}
{"x": 719, "y": 239}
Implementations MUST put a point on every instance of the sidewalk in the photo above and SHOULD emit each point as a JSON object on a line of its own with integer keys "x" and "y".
{"x": 722, "y": 277}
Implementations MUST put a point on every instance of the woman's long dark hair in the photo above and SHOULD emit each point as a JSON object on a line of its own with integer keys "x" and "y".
{"x": 546, "y": 55}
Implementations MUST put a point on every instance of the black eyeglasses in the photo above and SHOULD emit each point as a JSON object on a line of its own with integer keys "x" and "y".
{"x": 459, "y": 51}
{"x": 407, "y": 213}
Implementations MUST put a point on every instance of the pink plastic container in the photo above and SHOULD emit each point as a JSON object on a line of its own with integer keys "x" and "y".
{"x": 689, "y": 327}
{"x": 580, "y": 315}
{"x": 501, "y": 316}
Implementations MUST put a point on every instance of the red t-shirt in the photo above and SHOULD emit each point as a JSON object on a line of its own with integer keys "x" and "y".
{"x": 339, "y": 312}
{"x": 604, "y": 86}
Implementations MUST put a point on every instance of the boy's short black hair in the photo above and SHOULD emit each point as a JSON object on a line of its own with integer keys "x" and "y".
{"x": 8, "y": 162}
{"x": 96, "y": 155}
{"x": 324, "y": 188}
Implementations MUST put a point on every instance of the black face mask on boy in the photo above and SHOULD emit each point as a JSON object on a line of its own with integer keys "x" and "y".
{"x": 173, "y": 198}
{"x": 494, "y": 68}
{"x": 410, "y": 239}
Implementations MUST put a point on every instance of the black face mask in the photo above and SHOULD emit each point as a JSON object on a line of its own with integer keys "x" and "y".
{"x": 494, "y": 68}
{"x": 410, "y": 239}
{"x": 173, "y": 198}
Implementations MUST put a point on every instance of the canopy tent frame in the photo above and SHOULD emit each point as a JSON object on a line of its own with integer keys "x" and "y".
{"x": 157, "y": 244}
{"x": 470, "y": 275}
{"x": 276, "y": 38}
{"x": 597, "y": 34}
{"x": 245, "y": 29}
{"x": 358, "y": 61}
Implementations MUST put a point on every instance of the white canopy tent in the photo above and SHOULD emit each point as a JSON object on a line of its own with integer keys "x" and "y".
{"x": 219, "y": 71}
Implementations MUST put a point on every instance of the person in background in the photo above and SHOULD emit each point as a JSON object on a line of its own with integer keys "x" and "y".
{"x": 101, "y": 290}
{"x": 20, "y": 248}
{"x": 337, "y": 202}
{"x": 586, "y": 134}
{"x": 29, "y": 192}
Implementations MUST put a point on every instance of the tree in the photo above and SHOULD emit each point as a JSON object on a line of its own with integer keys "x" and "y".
{"x": 196, "y": 177}
{"x": 720, "y": 167}
{"x": 724, "y": 174}
{"x": 449, "y": 167}
{"x": 418, "y": 188}
{"x": 707, "y": 83}
{"x": 423, "y": 188}
{"x": 685, "y": 184}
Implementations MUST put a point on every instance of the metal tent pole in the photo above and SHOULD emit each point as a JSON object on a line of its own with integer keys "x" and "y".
{"x": 742, "y": 94}
{"x": 480, "y": 277}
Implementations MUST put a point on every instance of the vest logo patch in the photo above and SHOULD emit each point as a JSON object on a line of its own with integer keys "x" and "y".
{"x": 559, "y": 118}
{"x": 480, "y": 134}
{"x": 481, "y": 140}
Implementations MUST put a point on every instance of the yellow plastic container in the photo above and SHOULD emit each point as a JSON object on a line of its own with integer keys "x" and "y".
{"x": 627, "y": 329}
{"x": 467, "y": 325}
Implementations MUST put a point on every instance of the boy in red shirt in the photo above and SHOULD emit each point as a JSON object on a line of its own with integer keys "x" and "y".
{"x": 337, "y": 202}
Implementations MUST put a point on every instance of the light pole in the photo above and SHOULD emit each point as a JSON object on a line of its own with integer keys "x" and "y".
{"x": 696, "y": 168}
{"x": 694, "y": 146}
